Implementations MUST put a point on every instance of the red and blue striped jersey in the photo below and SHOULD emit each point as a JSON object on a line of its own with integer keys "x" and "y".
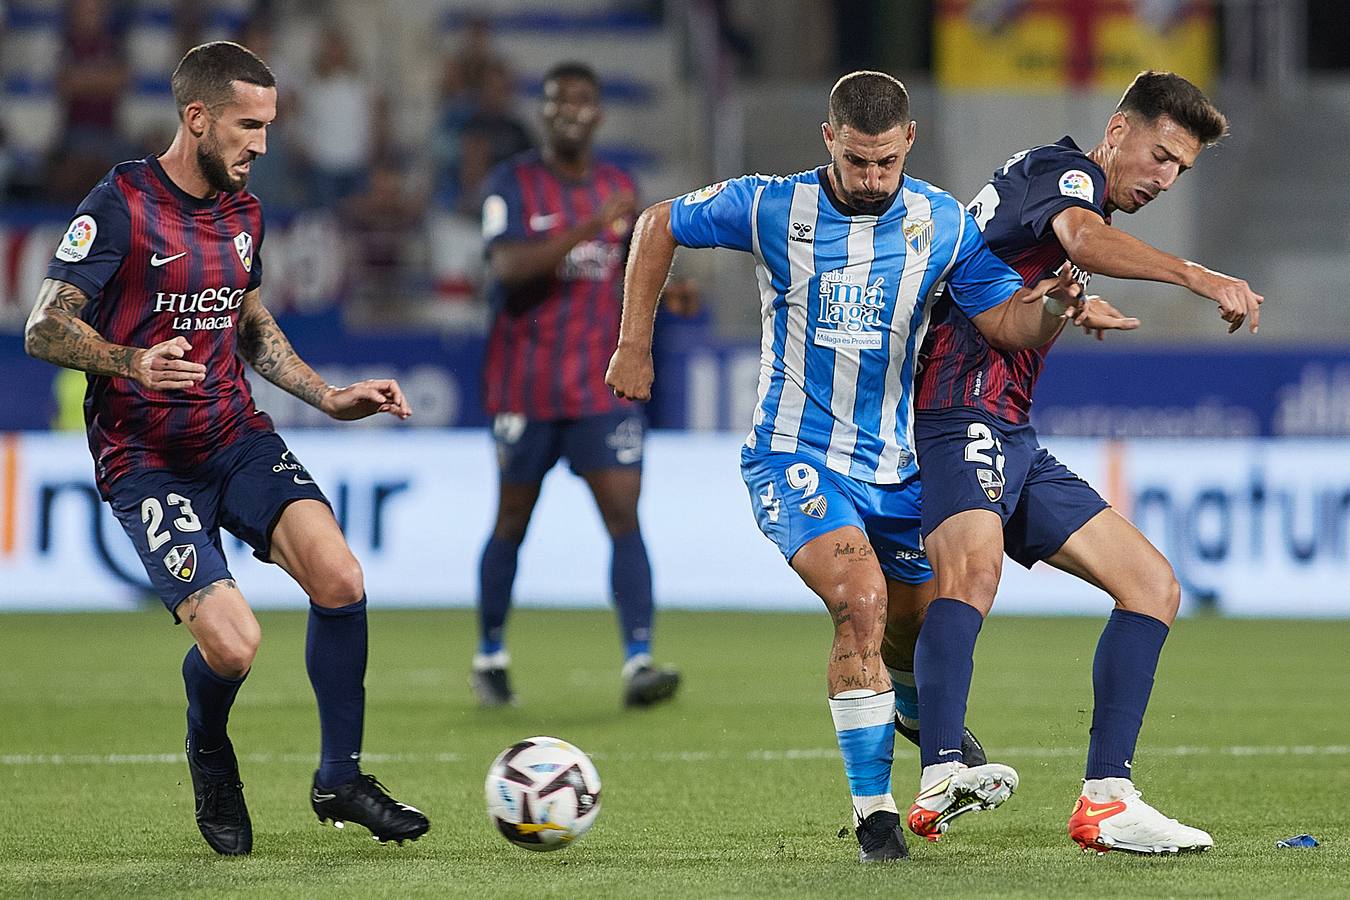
{"x": 546, "y": 359}
{"x": 1015, "y": 211}
{"x": 156, "y": 263}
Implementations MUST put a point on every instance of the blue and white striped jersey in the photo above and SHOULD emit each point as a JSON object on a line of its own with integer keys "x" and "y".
{"x": 845, "y": 301}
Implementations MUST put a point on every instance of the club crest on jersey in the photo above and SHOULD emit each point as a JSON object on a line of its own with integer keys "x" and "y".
{"x": 243, "y": 245}
{"x": 1076, "y": 183}
{"x": 78, "y": 239}
{"x": 918, "y": 233}
{"x": 181, "y": 561}
{"x": 852, "y": 308}
{"x": 704, "y": 193}
{"x": 816, "y": 506}
{"x": 991, "y": 483}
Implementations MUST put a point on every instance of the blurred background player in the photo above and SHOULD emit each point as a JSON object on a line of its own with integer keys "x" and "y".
{"x": 849, "y": 255}
{"x": 154, "y": 292}
{"x": 557, "y": 223}
{"x": 990, "y": 488}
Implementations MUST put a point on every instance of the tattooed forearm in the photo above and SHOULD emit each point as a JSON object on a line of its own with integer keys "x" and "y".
{"x": 194, "y": 601}
{"x": 56, "y": 333}
{"x": 263, "y": 346}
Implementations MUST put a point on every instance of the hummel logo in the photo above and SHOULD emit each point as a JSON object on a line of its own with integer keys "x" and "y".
{"x": 320, "y": 798}
{"x": 801, "y": 232}
{"x": 544, "y": 221}
{"x": 156, "y": 260}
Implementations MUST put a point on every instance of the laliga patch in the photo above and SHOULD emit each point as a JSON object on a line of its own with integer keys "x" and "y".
{"x": 243, "y": 245}
{"x": 1076, "y": 183}
{"x": 816, "y": 506}
{"x": 181, "y": 561}
{"x": 704, "y": 193}
{"x": 991, "y": 483}
{"x": 78, "y": 239}
{"x": 918, "y": 233}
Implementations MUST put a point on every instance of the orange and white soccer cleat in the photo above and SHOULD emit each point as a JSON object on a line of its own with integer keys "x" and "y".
{"x": 948, "y": 790}
{"x": 1110, "y": 815}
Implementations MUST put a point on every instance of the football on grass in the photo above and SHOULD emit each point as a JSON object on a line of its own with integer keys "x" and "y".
{"x": 542, "y": 793}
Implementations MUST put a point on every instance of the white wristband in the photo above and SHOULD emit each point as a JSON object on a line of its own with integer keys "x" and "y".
{"x": 1055, "y": 306}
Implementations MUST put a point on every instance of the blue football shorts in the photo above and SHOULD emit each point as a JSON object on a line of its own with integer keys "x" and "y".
{"x": 528, "y": 448}
{"x": 797, "y": 499}
{"x": 174, "y": 517}
{"x": 969, "y": 459}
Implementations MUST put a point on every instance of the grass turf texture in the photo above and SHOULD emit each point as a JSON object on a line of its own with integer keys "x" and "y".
{"x": 734, "y": 789}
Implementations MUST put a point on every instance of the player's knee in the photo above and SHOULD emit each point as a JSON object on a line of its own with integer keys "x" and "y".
{"x": 342, "y": 584}
{"x": 231, "y": 656}
{"x": 1158, "y": 593}
{"x": 621, "y": 523}
{"x": 858, "y": 611}
{"x": 974, "y": 579}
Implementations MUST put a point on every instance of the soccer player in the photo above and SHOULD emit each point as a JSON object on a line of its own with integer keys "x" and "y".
{"x": 154, "y": 292}
{"x": 556, "y": 223}
{"x": 989, "y": 488}
{"x": 848, "y": 258}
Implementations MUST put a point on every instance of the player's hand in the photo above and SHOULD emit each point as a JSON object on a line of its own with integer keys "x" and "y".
{"x": 163, "y": 368}
{"x": 366, "y": 398}
{"x": 1098, "y": 316}
{"x": 1237, "y": 301}
{"x": 630, "y": 374}
{"x": 682, "y": 298}
{"x": 1062, "y": 287}
{"x": 620, "y": 205}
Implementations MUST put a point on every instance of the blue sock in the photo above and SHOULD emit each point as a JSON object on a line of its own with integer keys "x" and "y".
{"x": 943, "y": 665}
{"x": 1122, "y": 679}
{"x": 906, "y": 695}
{"x": 865, "y": 728}
{"x": 496, "y": 575}
{"x": 630, "y": 579}
{"x": 210, "y": 696}
{"x": 335, "y": 657}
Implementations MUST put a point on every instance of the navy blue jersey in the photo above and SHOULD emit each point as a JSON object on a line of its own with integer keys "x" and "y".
{"x": 1014, "y": 210}
{"x": 156, "y": 263}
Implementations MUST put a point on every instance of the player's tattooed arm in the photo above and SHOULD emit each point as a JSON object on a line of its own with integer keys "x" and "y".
{"x": 56, "y": 333}
{"x": 264, "y": 347}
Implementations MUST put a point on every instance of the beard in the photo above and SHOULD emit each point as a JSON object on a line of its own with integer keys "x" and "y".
{"x": 864, "y": 205}
{"x": 212, "y": 163}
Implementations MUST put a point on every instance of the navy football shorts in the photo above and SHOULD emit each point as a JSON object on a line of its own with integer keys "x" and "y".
{"x": 971, "y": 460}
{"x": 528, "y": 448}
{"x": 174, "y": 518}
{"x": 797, "y": 499}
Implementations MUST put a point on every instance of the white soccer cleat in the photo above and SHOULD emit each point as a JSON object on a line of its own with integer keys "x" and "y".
{"x": 1110, "y": 815}
{"x": 953, "y": 789}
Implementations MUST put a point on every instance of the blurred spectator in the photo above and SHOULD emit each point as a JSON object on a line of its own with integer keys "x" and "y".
{"x": 277, "y": 178}
{"x": 92, "y": 77}
{"x": 6, "y": 157}
{"x": 385, "y": 227}
{"x": 340, "y": 118}
{"x": 495, "y": 115}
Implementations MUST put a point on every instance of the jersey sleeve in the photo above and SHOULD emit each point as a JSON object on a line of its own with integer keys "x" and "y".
{"x": 979, "y": 280}
{"x": 1053, "y": 187}
{"x": 96, "y": 241}
{"x": 718, "y": 215}
{"x": 503, "y": 208}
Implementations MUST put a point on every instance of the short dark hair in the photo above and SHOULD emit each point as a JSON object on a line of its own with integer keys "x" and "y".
{"x": 572, "y": 69}
{"x": 871, "y": 102}
{"x": 208, "y": 73}
{"x": 1154, "y": 94}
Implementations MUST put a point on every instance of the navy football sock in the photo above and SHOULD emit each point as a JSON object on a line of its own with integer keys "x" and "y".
{"x": 210, "y": 696}
{"x": 1122, "y": 679}
{"x": 335, "y": 657}
{"x": 496, "y": 575}
{"x": 630, "y": 578}
{"x": 943, "y": 666}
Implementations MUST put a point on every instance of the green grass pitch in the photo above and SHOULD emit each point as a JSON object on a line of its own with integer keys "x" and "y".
{"x": 733, "y": 790}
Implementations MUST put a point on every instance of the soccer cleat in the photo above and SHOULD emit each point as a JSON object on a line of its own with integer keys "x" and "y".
{"x": 965, "y": 789}
{"x": 880, "y": 838}
{"x": 492, "y": 687}
{"x": 647, "y": 685}
{"x": 222, "y": 816}
{"x": 972, "y": 751}
{"x": 366, "y": 802}
{"x": 1127, "y": 823}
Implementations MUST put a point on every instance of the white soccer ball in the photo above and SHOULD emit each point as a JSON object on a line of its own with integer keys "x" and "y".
{"x": 542, "y": 793}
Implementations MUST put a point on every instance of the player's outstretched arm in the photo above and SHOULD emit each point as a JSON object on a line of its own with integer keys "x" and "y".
{"x": 1026, "y": 319}
{"x": 1097, "y": 247}
{"x": 631, "y": 370}
{"x": 1096, "y": 316}
{"x": 56, "y": 333}
{"x": 265, "y": 347}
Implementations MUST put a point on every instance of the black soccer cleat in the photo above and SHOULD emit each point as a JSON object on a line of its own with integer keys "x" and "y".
{"x": 222, "y": 816}
{"x": 648, "y": 686}
{"x": 972, "y": 751}
{"x": 492, "y": 687}
{"x": 366, "y": 802}
{"x": 881, "y": 839}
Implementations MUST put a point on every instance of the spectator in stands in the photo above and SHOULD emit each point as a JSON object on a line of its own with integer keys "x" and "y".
{"x": 90, "y": 82}
{"x": 342, "y": 117}
{"x": 277, "y": 178}
{"x": 384, "y": 224}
